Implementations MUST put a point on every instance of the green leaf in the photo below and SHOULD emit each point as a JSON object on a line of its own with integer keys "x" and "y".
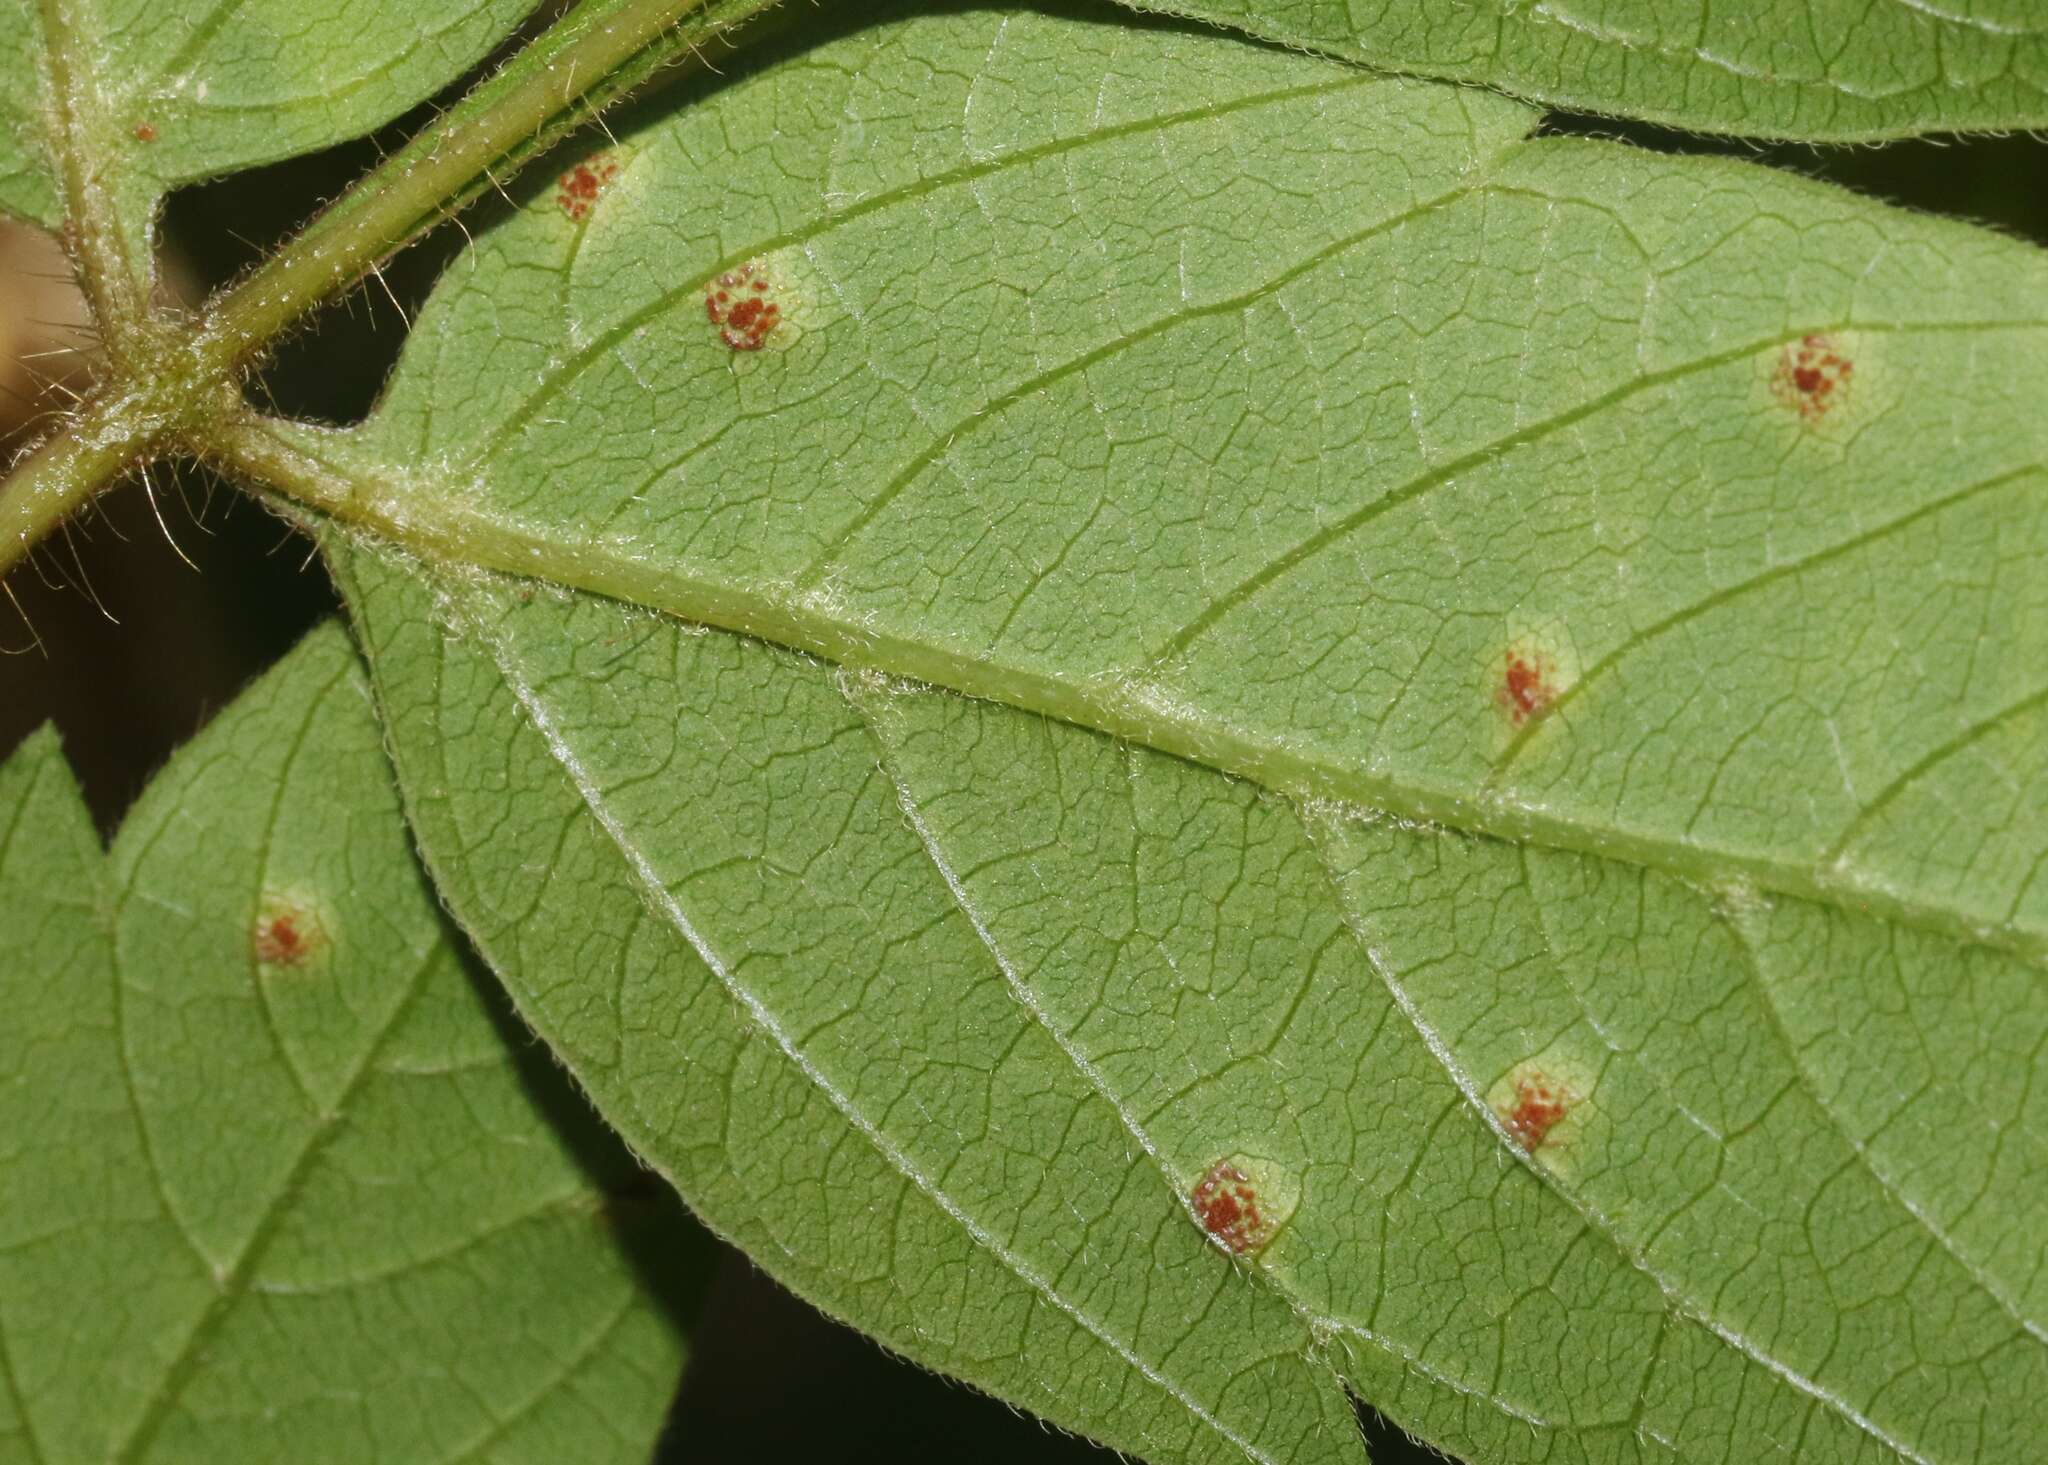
{"x": 138, "y": 96}
{"x": 1303, "y": 423}
{"x": 945, "y": 1011}
{"x": 1823, "y": 70}
{"x": 1669, "y": 529}
{"x": 1819, "y": 1134}
{"x": 275, "y": 1184}
{"x": 677, "y": 850}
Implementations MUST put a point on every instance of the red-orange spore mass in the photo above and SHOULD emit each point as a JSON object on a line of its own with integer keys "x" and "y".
{"x": 1540, "y": 1105}
{"x": 144, "y": 132}
{"x": 1227, "y": 1205}
{"x": 1813, "y": 376}
{"x": 1525, "y": 686}
{"x": 739, "y": 302}
{"x": 280, "y": 941}
{"x": 577, "y": 190}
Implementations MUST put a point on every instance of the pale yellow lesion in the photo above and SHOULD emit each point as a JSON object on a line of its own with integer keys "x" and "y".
{"x": 1542, "y": 1105}
{"x": 1535, "y": 667}
{"x": 1243, "y": 1201}
{"x": 291, "y": 932}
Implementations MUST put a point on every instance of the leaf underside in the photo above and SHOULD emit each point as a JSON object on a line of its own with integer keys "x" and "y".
{"x": 1818, "y": 70}
{"x": 273, "y": 1185}
{"x": 1669, "y": 533}
{"x": 1269, "y": 413}
{"x": 160, "y": 94}
{"x": 943, "y": 1010}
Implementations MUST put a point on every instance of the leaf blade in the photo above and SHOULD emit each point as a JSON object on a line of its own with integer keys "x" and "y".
{"x": 1173, "y": 936}
{"x": 209, "y": 1260}
{"x": 170, "y": 94}
{"x": 1479, "y": 492}
{"x": 1829, "y": 73}
{"x": 795, "y": 1120}
{"x": 1352, "y": 428}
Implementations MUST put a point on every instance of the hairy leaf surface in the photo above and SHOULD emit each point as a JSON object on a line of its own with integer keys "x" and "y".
{"x": 1669, "y": 532}
{"x": 1306, "y": 424}
{"x": 704, "y": 895}
{"x": 1825, "y": 70}
{"x": 946, "y": 1011}
{"x": 273, "y": 1185}
{"x": 142, "y": 95}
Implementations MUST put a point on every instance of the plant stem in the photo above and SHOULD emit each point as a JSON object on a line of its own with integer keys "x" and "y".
{"x": 169, "y": 389}
{"x": 533, "y": 99}
{"x": 116, "y": 285}
{"x": 112, "y": 435}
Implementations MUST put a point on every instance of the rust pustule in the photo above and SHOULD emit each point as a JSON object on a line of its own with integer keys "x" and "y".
{"x": 1538, "y": 1105}
{"x": 287, "y": 933}
{"x": 578, "y": 190}
{"x": 1813, "y": 376}
{"x": 1526, "y": 682}
{"x": 1228, "y": 1205}
{"x": 741, "y": 304}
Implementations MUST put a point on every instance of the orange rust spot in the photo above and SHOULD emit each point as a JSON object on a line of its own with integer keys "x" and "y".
{"x": 144, "y": 132}
{"x": 1528, "y": 684}
{"x": 1540, "y": 1103}
{"x": 741, "y": 303}
{"x": 286, "y": 934}
{"x": 577, "y": 191}
{"x": 1228, "y": 1206}
{"x": 1812, "y": 376}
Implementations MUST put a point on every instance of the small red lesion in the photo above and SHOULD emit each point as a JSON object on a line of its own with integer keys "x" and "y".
{"x": 1813, "y": 375}
{"x": 144, "y": 132}
{"x": 741, "y": 303}
{"x": 1537, "y": 1104}
{"x": 287, "y": 933}
{"x": 1227, "y": 1204}
{"x": 577, "y": 191}
{"x": 1528, "y": 683}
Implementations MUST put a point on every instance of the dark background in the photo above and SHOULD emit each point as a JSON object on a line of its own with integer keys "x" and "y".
{"x": 129, "y": 650}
